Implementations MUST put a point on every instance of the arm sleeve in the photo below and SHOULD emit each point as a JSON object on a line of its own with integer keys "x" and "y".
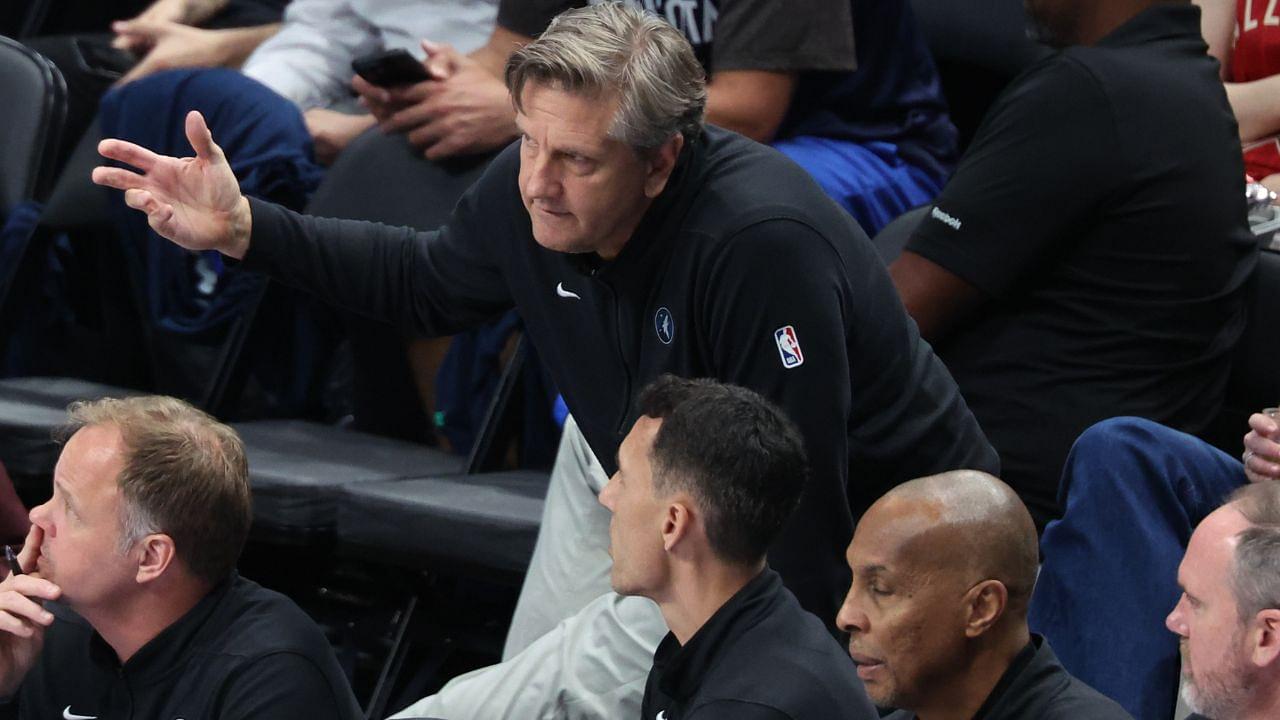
{"x": 309, "y": 60}
{"x": 793, "y": 36}
{"x": 531, "y": 17}
{"x": 284, "y": 686}
{"x": 774, "y": 275}
{"x": 874, "y": 404}
{"x": 434, "y": 283}
{"x": 1041, "y": 166}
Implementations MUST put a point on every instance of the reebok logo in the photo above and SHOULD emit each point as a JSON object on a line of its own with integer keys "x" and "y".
{"x": 945, "y": 219}
{"x": 68, "y": 715}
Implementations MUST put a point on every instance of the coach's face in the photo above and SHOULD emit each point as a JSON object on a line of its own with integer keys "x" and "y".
{"x": 584, "y": 191}
{"x": 636, "y": 528}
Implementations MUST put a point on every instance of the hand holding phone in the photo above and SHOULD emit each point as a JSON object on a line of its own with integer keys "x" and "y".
{"x": 390, "y": 68}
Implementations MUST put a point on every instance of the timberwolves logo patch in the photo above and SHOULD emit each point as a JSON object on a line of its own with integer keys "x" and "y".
{"x": 665, "y": 326}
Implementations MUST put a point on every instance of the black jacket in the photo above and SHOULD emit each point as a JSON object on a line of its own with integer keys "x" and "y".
{"x": 759, "y": 657}
{"x": 741, "y": 252}
{"x": 1037, "y": 686}
{"x": 241, "y": 652}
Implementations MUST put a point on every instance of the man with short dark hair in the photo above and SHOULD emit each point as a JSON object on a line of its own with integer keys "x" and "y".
{"x": 1228, "y": 617}
{"x": 149, "y": 513}
{"x": 634, "y": 242}
{"x": 1088, "y": 259}
{"x": 706, "y": 478}
{"x": 943, "y": 569}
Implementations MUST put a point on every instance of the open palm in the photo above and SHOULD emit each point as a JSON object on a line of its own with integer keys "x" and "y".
{"x": 195, "y": 202}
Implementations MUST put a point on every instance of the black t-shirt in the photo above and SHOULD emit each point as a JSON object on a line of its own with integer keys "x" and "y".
{"x": 1101, "y": 210}
{"x": 742, "y": 270}
{"x": 759, "y": 657}
{"x": 1037, "y": 686}
{"x": 241, "y": 652}
{"x": 893, "y": 96}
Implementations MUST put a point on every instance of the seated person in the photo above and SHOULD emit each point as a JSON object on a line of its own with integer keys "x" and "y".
{"x": 1228, "y": 618}
{"x": 138, "y": 545}
{"x": 166, "y": 34}
{"x": 1245, "y": 38}
{"x": 943, "y": 568}
{"x": 1135, "y": 485}
{"x": 706, "y": 478}
{"x": 309, "y": 60}
{"x": 1089, "y": 257}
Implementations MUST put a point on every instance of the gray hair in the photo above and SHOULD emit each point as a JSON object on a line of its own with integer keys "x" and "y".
{"x": 1256, "y": 577}
{"x": 610, "y": 47}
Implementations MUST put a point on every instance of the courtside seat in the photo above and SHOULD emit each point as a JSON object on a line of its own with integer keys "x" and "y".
{"x": 297, "y": 468}
{"x": 32, "y": 409}
{"x": 487, "y": 522}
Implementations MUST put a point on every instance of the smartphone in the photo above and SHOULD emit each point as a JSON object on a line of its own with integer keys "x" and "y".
{"x": 390, "y": 68}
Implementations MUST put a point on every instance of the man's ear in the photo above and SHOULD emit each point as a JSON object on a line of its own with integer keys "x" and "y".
{"x": 1265, "y": 637}
{"x": 678, "y": 523}
{"x": 661, "y": 163}
{"x": 158, "y": 553}
{"x": 984, "y": 604}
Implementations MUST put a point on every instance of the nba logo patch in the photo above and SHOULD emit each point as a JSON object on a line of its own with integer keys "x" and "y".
{"x": 788, "y": 347}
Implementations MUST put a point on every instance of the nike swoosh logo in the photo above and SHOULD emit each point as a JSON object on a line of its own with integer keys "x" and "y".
{"x": 568, "y": 294}
{"x": 68, "y": 715}
{"x": 662, "y": 715}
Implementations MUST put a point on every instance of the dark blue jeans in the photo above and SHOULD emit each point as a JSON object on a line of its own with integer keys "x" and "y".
{"x": 1132, "y": 492}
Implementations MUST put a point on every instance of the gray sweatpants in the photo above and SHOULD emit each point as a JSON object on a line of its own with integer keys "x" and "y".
{"x": 575, "y": 648}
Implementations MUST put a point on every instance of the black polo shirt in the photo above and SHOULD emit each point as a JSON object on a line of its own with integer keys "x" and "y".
{"x": 759, "y": 657}
{"x": 1037, "y": 686}
{"x": 1101, "y": 211}
{"x": 241, "y": 652}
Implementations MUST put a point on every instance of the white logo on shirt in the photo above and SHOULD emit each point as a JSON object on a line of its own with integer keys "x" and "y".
{"x": 662, "y": 715}
{"x": 945, "y": 219}
{"x": 566, "y": 293}
{"x": 68, "y": 715}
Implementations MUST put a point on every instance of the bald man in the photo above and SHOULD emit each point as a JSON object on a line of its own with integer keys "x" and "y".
{"x": 943, "y": 568}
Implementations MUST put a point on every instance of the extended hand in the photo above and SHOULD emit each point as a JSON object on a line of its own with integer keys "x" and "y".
{"x": 195, "y": 202}
{"x": 22, "y": 619}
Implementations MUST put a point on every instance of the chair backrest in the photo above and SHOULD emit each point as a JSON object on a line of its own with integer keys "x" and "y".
{"x": 35, "y": 98}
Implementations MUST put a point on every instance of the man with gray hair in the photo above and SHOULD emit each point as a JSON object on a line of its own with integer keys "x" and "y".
{"x": 138, "y": 545}
{"x": 1228, "y": 618}
{"x": 634, "y": 242}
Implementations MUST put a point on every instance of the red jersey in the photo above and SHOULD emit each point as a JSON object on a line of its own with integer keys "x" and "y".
{"x": 1256, "y": 56}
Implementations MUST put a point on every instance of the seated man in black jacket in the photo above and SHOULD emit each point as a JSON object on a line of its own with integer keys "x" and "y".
{"x": 139, "y": 544}
{"x": 705, "y": 479}
{"x": 943, "y": 569}
{"x": 634, "y": 242}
